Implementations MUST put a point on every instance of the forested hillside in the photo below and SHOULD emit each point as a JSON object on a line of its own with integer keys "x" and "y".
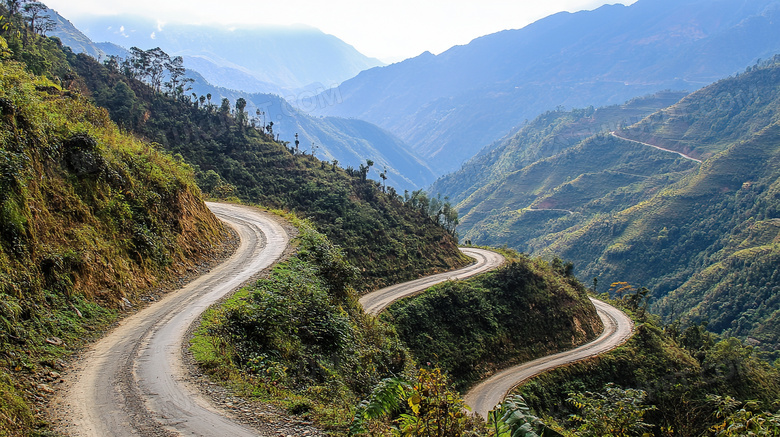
{"x": 348, "y": 140}
{"x": 389, "y": 238}
{"x": 547, "y": 135}
{"x": 705, "y": 234}
{"x": 90, "y": 217}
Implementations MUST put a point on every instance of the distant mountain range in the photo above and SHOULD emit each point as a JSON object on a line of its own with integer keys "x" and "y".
{"x": 448, "y": 106}
{"x": 257, "y": 59}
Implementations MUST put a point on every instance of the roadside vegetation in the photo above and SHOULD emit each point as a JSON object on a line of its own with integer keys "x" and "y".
{"x": 673, "y": 380}
{"x": 90, "y": 218}
{"x": 299, "y": 338}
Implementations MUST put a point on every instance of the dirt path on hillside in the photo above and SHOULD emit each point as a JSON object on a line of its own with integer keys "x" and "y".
{"x": 614, "y": 134}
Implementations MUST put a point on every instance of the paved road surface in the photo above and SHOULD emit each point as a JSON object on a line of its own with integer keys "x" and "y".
{"x": 130, "y": 382}
{"x": 492, "y": 391}
{"x": 375, "y": 302}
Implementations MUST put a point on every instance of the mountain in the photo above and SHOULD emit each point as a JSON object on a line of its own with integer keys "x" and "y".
{"x": 287, "y": 57}
{"x": 72, "y": 37}
{"x": 546, "y": 136}
{"x": 349, "y": 141}
{"x": 686, "y": 202}
{"x": 447, "y": 106}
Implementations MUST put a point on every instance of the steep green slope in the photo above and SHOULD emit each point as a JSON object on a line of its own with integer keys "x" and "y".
{"x": 386, "y": 239}
{"x": 713, "y": 119}
{"x": 708, "y": 241}
{"x": 600, "y": 175}
{"x": 547, "y": 135}
{"x": 703, "y": 237}
{"x": 89, "y": 218}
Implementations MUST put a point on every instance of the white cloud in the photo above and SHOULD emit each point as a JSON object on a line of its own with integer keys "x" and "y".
{"x": 153, "y": 35}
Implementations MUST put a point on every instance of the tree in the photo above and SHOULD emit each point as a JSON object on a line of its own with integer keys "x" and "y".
{"x": 139, "y": 63}
{"x": 241, "y": 116}
{"x": 112, "y": 63}
{"x": 614, "y": 413}
{"x": 157, "y": 60}
{"x": 449, "y": 216}
{"x": 14, "y": 6}
{"x": 45, "y": 24}
{"x": 383, "y": 175}
{"x": 33, "y": 11}
{"x": 177, "y": 82}
{"x": 225, "y": 107}
{"x": 365, "y": 168}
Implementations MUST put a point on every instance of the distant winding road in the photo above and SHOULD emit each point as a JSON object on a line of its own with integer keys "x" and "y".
{"x": 614, "y": 134}
{"x": 492, "y": 391}
{"x": 131, "y": 382}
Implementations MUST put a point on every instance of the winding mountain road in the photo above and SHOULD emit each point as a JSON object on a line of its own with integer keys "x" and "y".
{"x": 131, "y": 382}
{"x": 492, "y": 391}
{"x": 376, "y": 301}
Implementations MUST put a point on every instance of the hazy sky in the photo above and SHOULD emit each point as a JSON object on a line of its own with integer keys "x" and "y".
{"x": 389, "y": 30}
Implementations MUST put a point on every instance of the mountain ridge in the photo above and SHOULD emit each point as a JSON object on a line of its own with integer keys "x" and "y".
{"x": 599, "y": 57}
